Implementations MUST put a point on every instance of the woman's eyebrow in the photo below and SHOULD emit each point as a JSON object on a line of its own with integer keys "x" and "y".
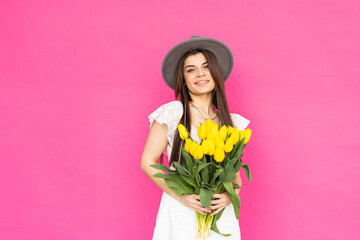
{"x": 194, "y": 65}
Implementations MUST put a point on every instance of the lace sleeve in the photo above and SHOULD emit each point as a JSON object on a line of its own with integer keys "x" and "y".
{"x": 169, "y": 114}
{"x": 240, "y": 122}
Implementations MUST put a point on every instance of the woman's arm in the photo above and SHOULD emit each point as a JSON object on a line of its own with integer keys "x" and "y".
{"x": 154, "y": 147}
{"x": 238, "y": 181}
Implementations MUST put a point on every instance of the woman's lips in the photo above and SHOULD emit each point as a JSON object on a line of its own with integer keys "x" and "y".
{"x": 202, "y": 82}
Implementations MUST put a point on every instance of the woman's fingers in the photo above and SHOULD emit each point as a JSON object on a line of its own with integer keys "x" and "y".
{"x": 216, "y": 201}
{"x": 196, "y": 205}
{"x": 217, "y": 206}
{"x": 217, "y": 211}
{"x": 197, "y": 197}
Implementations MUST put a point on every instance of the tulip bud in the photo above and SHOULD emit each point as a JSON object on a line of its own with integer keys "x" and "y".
{"x": 182, "y": 131}
{"x": 219, "y": 155}
{"x": 214, "y": 129}
{"x": 219, "y": 143}
{"x": 228, "y": 145}
{"x": 188, "y": 142}
{"x": 210, "y": 137}
{"x": 211, "y": 148}
{"x": 208, "y": 124}
{"x": 247, "y": 134}
{"x": 199, "y": 152}
{"x": 202, "y": 131}
{"x": 205, "y": 146}
{"x": 223, "y": 132}
{"x": 241, "y": 134}
{"x": 193, "y": 148}
{"x": 235, "y": 136}
{"x": 230, "y": 130}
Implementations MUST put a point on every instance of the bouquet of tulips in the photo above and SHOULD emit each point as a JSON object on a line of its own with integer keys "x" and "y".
{"x": 209, "y": 168}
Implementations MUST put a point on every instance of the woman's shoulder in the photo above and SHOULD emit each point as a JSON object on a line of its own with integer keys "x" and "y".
{"x": 175, "y": 105}
{"x": 170, "y": 111}
{"x": 239, "y": 121}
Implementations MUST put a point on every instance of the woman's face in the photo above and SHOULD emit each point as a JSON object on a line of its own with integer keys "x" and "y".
{"x": 197, "y": 74}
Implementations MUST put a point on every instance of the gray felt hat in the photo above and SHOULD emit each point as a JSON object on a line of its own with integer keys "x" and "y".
{"x": 218, "y": 48}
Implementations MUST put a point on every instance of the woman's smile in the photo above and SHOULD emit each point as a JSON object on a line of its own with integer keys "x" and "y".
{"x": 202, "y": 82}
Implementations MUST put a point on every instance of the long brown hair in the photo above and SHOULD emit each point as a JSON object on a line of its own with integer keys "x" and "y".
{"x": 218, "y": 98}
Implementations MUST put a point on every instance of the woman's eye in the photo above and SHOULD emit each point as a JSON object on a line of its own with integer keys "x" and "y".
{"x": 207, "y": 66}
{"x": 190, "y": 70}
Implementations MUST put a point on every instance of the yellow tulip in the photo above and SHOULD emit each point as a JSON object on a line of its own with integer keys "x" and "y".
{"x": 219, "y": 155}
{"x": 228, "y": 145}
{"x": 182, "y": 131}
{"x": 205, "y": 146}
{"x": 202, "y": 131}
{"x": 210, "y": 136}
{"x": 214, "y": 129}
{"x": 247, "y": 134}
{"x": 193, "y": 148}
{"x": 219, "y": 143}
{"x": 235, "y": 136}
{"x": 199, "y": 152}
{"x": 230, "y": 130}
{"x": 188, "y": 142}
{"x": 211, "y": 148}
{"x": 223, "y": 132}
{"x": 208, "y": 122}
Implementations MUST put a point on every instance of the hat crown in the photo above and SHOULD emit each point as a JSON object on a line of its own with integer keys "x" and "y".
{"x": 196, "y": 36}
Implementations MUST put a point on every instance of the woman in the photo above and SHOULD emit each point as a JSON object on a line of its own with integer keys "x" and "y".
{"x": 196, "y": 69}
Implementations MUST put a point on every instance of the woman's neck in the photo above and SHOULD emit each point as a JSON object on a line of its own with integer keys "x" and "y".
{"x": 203, "y": 103}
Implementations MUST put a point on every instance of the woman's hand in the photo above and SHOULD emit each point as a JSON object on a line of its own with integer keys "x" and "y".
{"x": 193, "y": 201}
{"x": 222, "y": 200}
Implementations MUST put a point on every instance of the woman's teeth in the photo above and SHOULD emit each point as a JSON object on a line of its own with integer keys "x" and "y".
{"x": 201, "y": 82}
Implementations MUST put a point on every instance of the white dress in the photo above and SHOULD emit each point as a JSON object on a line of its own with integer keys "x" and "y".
{"x": 175, "y": 221}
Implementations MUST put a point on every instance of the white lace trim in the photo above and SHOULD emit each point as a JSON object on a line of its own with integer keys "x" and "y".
{"x": 169, "y": 114}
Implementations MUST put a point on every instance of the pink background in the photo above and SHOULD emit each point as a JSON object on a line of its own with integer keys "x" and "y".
{"x": 79, "y": 78}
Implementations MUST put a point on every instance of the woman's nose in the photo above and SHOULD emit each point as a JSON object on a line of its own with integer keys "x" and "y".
{"x": 200, "y": 73}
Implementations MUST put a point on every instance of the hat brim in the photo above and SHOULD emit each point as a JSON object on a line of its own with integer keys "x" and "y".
{"x": 218, "y": 48}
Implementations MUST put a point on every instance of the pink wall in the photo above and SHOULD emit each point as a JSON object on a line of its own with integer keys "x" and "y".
{"x": 78, "y": 80}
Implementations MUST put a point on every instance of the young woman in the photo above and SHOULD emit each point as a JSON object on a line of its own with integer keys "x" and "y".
{"x": 196, "y": 69}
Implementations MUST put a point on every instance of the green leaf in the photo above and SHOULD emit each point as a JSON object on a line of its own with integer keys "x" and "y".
{"x": 237, "y": 166}
{"x": 216, "y": 174}
{"x": 222, "y": 177}
{"x": 179, "y": 185}
{"x": 235, "y": 199}
{"x": 208, "y": 186}
{"x": 205, "y": 196}
{"x": 188, "y": 159}
{"x": 229, "y": 171}
{"x": 161, "y": 167}
{"x": 196, "y": 175}
{"x": 235, "y": 185}
{"x": 247, "y": 171}
{"x": 180, "y": 169}
{"x": 201, "y": 166}
{"x": 198, "y": 162}
{"x": 231, "y": 163}
{"x": 160, "y": 175}
{"x": 235, "y": 150}
{"x": 190, "y": 181}
{"x": 205, "y": 175}
{"x": 214, "y": 226}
